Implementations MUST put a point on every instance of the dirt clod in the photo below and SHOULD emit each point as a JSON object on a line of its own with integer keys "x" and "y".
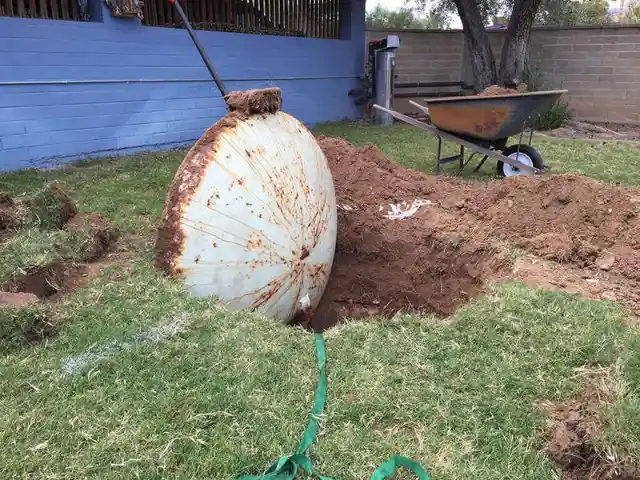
{"x": 251, "y": 102}
{"x": 93, "y": 234}
{"x": 605, "y": 262}
{"x": 51, "y": 207}
{"x": 445, "y": 252}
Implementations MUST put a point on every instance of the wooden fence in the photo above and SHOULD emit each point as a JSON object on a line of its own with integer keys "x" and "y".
{"x": 49, "y": 9}
{"x": 305, "y": 18}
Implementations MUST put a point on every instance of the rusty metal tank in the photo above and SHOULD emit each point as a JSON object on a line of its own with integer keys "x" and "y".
{"x": 251, "y": 216}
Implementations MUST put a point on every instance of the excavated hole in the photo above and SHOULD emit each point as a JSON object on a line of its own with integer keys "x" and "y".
{"x": 379, "y": 275}
{"x": 49, "y": 281}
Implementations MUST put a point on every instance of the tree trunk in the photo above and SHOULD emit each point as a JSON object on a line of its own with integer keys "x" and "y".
{"x": 516, "y": 43}
{"x": 482, "y": 62}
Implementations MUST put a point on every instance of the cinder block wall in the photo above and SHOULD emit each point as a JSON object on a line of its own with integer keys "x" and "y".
{"x": 600, "y": 66}
{"x": 73, "y": 89}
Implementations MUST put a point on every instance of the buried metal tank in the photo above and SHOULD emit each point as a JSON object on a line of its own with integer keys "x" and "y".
{"x": 251, "y": 216}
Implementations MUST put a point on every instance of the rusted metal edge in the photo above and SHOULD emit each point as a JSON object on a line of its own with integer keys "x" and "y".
{"x": 170, "y": 239}
{"x": 543, "y": 93}
{"x": 452, "y": 138}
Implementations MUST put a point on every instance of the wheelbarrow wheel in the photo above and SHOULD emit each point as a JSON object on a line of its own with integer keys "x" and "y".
{"x": 527, "y": 156}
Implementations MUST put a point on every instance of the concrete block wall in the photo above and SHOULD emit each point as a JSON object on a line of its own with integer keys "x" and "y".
{"x": 69, "y": 90}
{"x": 598, "y": 65}
{"x": 424, "y": 56}
{"x": 431, "y": 56}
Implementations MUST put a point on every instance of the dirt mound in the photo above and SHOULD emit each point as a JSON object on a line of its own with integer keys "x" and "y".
{"x": 566, "y": 218}
{"x": 452, "y": 240}
{"x": 495, "y": 90}
{"x": 571, "y": 441}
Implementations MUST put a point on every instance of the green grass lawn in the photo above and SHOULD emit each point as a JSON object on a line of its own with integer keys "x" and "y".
{"x": 142, "y": 381}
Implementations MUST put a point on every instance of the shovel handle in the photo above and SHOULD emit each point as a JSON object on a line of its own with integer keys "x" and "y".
{"x": 203, "y": 54}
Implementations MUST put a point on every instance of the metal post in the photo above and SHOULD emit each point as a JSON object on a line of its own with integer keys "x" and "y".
{"x": 385, "y": 67}
{"x": 203, "y": 54}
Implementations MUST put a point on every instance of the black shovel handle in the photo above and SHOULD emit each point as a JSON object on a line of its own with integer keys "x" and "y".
{"x": 203, "y": 54}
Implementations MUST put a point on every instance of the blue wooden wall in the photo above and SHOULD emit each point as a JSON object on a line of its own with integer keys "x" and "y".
{"x": 70, "y": 90}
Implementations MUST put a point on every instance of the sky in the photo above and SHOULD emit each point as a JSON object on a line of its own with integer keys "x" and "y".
{"x": 390, "y": 4}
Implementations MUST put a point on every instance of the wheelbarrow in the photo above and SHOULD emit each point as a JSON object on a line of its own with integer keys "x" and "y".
{"x": 484, "y": 126}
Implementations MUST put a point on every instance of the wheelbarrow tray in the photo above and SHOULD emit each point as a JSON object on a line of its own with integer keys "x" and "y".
{"x": 489, "y": 118}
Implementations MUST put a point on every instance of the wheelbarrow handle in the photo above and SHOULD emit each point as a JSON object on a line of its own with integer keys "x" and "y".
{"x": 203, "y": 54}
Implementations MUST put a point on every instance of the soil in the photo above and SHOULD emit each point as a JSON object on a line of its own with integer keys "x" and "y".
{"x": 576, "y": 235}
{"x": 495, "y": 90}
{"x": 17, "y": 300}
{"x": 575, "y": 426}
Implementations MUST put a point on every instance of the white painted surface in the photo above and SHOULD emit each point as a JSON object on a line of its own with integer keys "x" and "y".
{"x": 266, "y": 197}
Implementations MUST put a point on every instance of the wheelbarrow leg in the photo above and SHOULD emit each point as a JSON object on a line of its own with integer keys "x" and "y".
{"x": 438, "y": 155}
{"x": 477, "y": 169}
{"x": 462, "y": 167}
{"x": 459, "y": 157}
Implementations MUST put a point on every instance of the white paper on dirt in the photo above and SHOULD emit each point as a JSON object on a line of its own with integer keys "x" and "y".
{"x": 403, "y": 210}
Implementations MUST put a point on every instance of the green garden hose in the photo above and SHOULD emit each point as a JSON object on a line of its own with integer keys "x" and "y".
{"x": 286, "y": 468}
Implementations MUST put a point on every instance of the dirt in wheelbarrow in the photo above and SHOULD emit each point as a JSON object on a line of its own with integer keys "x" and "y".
{"x": 565, "y": 232}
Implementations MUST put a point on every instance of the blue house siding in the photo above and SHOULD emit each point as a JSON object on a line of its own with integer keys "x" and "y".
{"x": 73, "y": 89}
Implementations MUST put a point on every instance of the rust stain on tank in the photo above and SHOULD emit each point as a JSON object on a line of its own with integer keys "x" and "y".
{"x": 255, "y": 244}
{"x": 480, "y": 119}
{"x": 272, "y": 289}
{"x": 211, "y": 201}
{"x": 170, "y": 240}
